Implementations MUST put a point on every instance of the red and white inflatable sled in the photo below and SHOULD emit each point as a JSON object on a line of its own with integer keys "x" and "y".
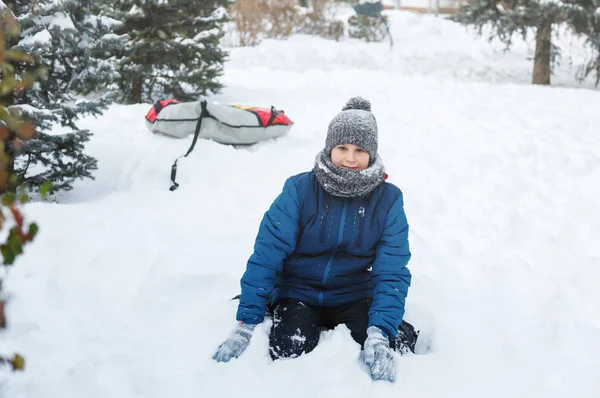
{"x": 226, "y": 124}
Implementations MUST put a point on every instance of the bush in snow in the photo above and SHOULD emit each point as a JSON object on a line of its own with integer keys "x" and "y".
{"x": 172, "y": 49}
{"x": 256, "y": 20}
{"x": 320, "y": 20}
{"x": 503, "y": 19}
{"x": 249, "y": 19}
{"x": 12, "y": 130}
{"x": 283, "y": 18}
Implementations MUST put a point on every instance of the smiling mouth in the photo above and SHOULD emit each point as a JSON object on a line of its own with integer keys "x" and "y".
{"x": 350, "y": 168}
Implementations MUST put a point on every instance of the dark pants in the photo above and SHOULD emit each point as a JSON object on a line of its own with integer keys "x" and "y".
{"x": 297, "y": 326}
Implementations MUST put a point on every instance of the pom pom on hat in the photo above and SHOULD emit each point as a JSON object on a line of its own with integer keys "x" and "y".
{"x": 357, "y": 103}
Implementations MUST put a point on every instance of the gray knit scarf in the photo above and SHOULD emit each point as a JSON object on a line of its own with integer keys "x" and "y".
{"x": 345, "y": 183}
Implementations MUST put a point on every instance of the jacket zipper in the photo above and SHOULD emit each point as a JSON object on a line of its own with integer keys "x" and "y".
{"x": 339, "y": 242}
{"x": 324, "y": 224}
{"x": 361, "y": 225}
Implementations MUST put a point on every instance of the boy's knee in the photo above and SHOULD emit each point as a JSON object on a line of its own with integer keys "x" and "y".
{"x": 295, "y": 330}
{"x": 292, "y": 345}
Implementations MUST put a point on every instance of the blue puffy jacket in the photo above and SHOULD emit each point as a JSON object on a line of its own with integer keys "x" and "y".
{"x": 329, "y": 251}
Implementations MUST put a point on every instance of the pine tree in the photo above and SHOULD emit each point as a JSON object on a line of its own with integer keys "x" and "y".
{"x": 69, "y": 43}
{"x": 173, "y": 48}
{"x": 506, "y": 18}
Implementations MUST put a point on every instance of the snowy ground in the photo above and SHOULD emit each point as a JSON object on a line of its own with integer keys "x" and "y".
{"x": 125, "y": 292}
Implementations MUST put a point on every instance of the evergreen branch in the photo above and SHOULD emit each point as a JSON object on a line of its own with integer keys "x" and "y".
{"x": 24, "y": 172}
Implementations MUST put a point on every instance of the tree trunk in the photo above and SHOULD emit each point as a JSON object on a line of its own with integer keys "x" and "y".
{"x": 543, "y": 48}
{"x": 136, "y": 90}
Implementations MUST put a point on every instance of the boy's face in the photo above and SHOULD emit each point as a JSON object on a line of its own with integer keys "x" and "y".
{"x": 350, "y": 157}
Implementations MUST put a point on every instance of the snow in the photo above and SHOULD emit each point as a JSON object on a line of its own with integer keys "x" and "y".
{"x": 204, "y": 34}
{"x": 126, "y": 290}
{"x": 42, "y": 37}
{"x": 136, "y": 11}
{"x": 112, "y": 37}
{"x": 61, "y": 20}
{"x": 218, "y": 14}
{"x": 108, "y": 23}
{"x": 31, "y": 109}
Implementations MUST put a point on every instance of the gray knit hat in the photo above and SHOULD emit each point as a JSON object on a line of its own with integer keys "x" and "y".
{"x": 355, "y": 125}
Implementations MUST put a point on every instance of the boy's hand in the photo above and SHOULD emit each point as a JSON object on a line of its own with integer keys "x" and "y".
{"x": 236, "y": 344}
{"x": 378, "y": 355}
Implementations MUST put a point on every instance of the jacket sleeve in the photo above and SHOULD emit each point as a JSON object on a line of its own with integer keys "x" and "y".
{"x": 277, "y": 237}
{"x": 389, "y": 273}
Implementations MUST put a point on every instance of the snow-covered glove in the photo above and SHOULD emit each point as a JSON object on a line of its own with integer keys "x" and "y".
{"x": 235, "y": 345}
{"x": 378, "y": 355}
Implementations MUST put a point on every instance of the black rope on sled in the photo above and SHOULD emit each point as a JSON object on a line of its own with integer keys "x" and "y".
{"x": 204, "y": 113}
